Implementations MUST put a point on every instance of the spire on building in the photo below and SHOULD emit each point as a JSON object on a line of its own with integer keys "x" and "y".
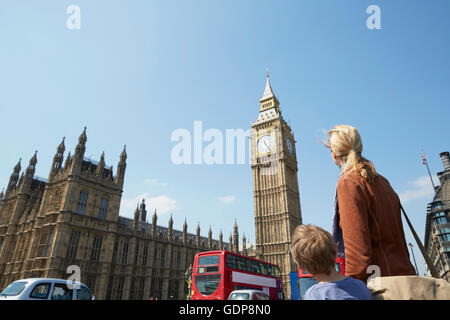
{"x": 220, "y": 240}
{"x": 83, "y": 137}
{"x": 197, "y": 236}
{"x": 17, "y": 167}
{"x": 80, "y": 149}
{"x": 244, "y": 245}
{"x": 136, "y": 217}
{"x": 170, "y": 222}
{"x": 268, "y": 92}
{"x": 120, "y": 174}
{"x": 31, "y": 167}
{"x": 101, "y": 165}
{"x": 235, "y": 237}
{"x": 58, "y": 159}
{"x": 184, "y": 231}
{"x": 142, "y": 211}
{"x": 210, "y": 237}
{"x": 170, "y": 228}
{"x": 269, "y": 105}
{"x": 14, "y": 177}
{"x": 68, "y": 161}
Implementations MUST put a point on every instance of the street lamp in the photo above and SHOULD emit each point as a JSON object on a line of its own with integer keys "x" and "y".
{"x": 414, "y": 258}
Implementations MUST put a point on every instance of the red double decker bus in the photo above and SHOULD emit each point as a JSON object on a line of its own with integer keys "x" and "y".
{"x": 306, "y": 280}
{"x": 216, "y": 274}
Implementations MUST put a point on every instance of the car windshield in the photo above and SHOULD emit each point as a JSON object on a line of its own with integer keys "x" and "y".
{"x": 239, "y": 296}
{"x": 14, "y": 288}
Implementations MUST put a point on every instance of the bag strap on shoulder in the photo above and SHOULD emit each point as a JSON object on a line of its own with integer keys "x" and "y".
{"x": 421, "y": 247}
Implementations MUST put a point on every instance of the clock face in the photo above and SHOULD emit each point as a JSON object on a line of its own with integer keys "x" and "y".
{"x": 265, "y": 144}
{"x": 290, "y": 145}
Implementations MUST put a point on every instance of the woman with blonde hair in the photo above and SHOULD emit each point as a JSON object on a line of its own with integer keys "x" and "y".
{"x": 367, "y": 225}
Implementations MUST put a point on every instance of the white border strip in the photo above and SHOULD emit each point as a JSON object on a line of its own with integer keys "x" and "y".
{"x": 254, "y": 280}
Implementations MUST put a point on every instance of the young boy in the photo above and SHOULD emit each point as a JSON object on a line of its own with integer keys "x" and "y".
{"x": 314, "y": 251}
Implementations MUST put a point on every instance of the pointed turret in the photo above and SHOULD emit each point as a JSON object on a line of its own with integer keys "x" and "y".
{"x": 184, "y": 230}
{"x": 68, "y": 162}
{"x": 136, "y": 213}
{"x": 268, "y": 92}
{"x": 101, "y": 166}
{"x": 197, "y": 236}
{"x": 29, "y": 172}
{"x": 136, "y": 217}
{"x": 78, "y": 156}
{"x": 120, "y": 174}
{"x": 81, "y": 146}
{"x": 236, "y": 237}
{"x": 142, "y": 211}
{"x": 170, "y": 227}
{"x": 170, "y": 222}
{"x": 210, "y": 237}
{"x": 220, "y": 240}
{"x": 230, "y": 244}
{"x": 154, "y": 220}
{"x": 268, "y": 99}
{"x": 244, "y": 245}
{"x": 14, "y": 178}
{"x": 58, "y": 159}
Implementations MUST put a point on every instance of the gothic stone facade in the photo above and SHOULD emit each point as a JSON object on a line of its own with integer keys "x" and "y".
{"x": 73, "y": 219}
{"x": 275, "y": 186}
{"x": 437, "y": 228}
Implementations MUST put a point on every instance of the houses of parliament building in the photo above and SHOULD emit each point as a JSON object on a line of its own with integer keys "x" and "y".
{"x": 72, "y": 218}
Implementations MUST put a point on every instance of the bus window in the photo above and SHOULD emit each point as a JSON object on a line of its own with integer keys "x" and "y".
{"x": 277, "y": 272}
{"x": 208, "y": 260}
{"x": 269, "y": 270}
{"x": 256, "y": 267}
{"x": 263, "y": 268}
{"x": 242, "y": 263}
{"x": 231, "y": 261}
{"x": 249, "y": 265}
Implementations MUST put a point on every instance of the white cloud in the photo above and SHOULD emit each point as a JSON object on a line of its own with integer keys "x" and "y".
{"x": 419, "y": 188}
{"x": 156, "y": 182}
{"x": 163, "y": 204}
{"x": 227, "y": 199}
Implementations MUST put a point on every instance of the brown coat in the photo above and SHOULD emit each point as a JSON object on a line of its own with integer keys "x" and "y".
{"x": 371, "y": 224}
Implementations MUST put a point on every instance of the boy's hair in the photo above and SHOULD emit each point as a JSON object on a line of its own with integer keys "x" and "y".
{"x": 313, "y": 249}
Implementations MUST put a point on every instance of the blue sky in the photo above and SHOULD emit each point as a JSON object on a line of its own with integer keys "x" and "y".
{"x": 138, "y": 70}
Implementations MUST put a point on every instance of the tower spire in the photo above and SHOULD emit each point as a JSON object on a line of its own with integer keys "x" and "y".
{"x": 268, "y": 92}
{"x": 80, "y": 149}
{"x": 120, "y": 174}
{"x": 58, "y": 159}
{"x": 31, "y": 166}
{"x": 268, "y": 99}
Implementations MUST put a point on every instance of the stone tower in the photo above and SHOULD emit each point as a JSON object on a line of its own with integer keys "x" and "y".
{"x": 275, "y": 185}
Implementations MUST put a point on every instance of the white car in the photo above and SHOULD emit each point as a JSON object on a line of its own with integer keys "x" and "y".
{"x": 46, "y": 289}
{"x": 248, "y": 295}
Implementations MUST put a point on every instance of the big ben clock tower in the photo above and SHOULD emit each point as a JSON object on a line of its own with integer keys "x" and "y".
{"x": 275, "y": 185}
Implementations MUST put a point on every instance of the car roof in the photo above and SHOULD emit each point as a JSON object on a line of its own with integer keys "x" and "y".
{"x": 33, "y": 280}
{"x": 248, "y": 291}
